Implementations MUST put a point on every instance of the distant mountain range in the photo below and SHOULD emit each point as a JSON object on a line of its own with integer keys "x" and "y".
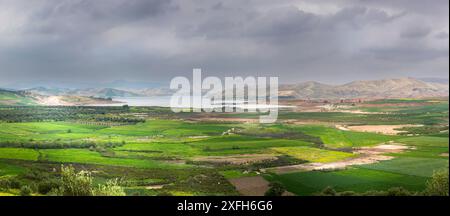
{"x": 101, "y": 92}
{"x": 373, "y": 89}
{"x": 22, "y": 98}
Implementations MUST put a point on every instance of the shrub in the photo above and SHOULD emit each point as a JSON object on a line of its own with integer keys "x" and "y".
{"x": 10, "y": 183}
{"x": 111, "y": 188}
{"x": 438, "y": 184}
{"x": 25, "y": 191}
{"x": 348, "y": 193}
{"x": 75, "y": 184}
{"x": 329, "y": 191}
{"x": 80, "y": 184}
{"x": 398, "y": 191}
{"x": 44, "y": 187}
{"x": 164, "y": 194}
{"x": 276, "y": 189}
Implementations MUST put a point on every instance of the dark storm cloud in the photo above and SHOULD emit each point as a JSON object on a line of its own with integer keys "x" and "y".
{"x": 297, "y": 40}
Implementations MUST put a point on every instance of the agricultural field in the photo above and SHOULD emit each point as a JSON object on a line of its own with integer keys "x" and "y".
{"x": 151, "y": 151}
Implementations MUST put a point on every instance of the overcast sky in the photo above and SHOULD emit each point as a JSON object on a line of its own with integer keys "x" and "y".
{"x": 331, "y": 41}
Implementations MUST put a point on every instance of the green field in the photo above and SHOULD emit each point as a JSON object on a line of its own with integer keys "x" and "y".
{"x": 355, "y": 179}
{"x": 314, "y": 155}
{"x": 167, "y": 153}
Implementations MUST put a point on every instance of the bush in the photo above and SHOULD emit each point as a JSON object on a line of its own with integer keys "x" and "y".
{"x": 10, "y": 183}
{"x": 398, "y": 191}
{"x": 348, "y": 193}
{"x": 80, "y": 184}
{"x": 44, "y": 187}
{"x": 329, "y": 191}
{"x": 111, "y": 188}
{"x": 164, "y": 194}
{"x": 75, "y": 184}
{"x": 25, "y": 191}
{"x": 438, "y": 184}
{"x": 276, "y": 189}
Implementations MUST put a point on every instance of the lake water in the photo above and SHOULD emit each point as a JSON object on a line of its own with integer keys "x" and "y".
{"x": 160, "y": 101}
{"x": 164, "y": 101}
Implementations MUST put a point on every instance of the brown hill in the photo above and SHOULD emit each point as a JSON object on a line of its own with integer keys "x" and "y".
{"x": 374, "y": 89}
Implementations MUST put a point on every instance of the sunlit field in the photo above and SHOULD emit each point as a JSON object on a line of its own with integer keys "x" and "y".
{"x": 151, "y": 151}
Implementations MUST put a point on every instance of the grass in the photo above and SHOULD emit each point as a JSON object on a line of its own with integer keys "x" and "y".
{"x": 235, "y": 144}
{"x": 314, "y": 154}
{"x": 69, "y": 131}
{"x": 425, "y": 147}
{"x": 82, "y": 156}
{"x": 426, "y": 141}
{"x": 425, "y": 152}
{"x": 160, "y": 149}
{"x": 152, "y": 150}
{"x": 167, "y": 128}
{"x": 414, "y": 166}
{"x": 41, "y": 131}
{"x": 19, "y": 154}
{"x": 90, "y": 157}
{"x": 396, "y": 101}
{"x": 10, "y": 169}
{"x": 335, "y": 138}
{"x": 354, "y": 179}
{"x": 6, "y": 194}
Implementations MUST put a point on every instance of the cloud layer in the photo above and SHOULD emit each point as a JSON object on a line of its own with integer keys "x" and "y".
{"x": 154, "y": 40}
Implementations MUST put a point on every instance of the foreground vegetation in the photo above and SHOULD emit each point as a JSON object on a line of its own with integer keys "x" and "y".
{"x": 151, "y": 151}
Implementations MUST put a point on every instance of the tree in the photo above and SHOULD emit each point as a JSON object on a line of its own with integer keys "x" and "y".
{"x": 80, "y": 184}
{"x": 75, "y": 184}
{"x": 438, "y": 184}
{"x": 276, "y": 189}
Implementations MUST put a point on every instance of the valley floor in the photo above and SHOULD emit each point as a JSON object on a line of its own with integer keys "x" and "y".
{"x": 151, "y": 151}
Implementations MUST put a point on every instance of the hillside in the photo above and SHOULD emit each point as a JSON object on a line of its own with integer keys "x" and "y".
{"x": 25, "y": 98}
{"x": 89, "y": 92}
{"x": 12, "y": 98}
{"x": 374, "y": 89}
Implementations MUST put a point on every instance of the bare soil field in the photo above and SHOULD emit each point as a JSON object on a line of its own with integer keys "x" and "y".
{"x": 368, "y": 155}
{"x": 381, "y": 129}
{"x": 417, "y": 104}
{"x": 250, "y": 186}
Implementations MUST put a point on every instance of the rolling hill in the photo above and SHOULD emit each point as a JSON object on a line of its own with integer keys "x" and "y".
{"x": 13, "y": 98}
{"x": 27, "y": 98}
{"x": 373, "y": 89}
{"x": 88, "y": 92}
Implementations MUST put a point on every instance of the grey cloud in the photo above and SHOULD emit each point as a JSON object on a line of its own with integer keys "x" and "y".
{"x": 442, "y": 35}
{"x": 416, "y": 32}
{"x": 406, "y": 54}
{"x": 158, "y": 39}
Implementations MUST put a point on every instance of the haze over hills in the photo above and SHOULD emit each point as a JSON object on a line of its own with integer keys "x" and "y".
{"x": 372, "y": 89}
{"x": 88, "y": 92}
{"x": 101, "y": 92}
